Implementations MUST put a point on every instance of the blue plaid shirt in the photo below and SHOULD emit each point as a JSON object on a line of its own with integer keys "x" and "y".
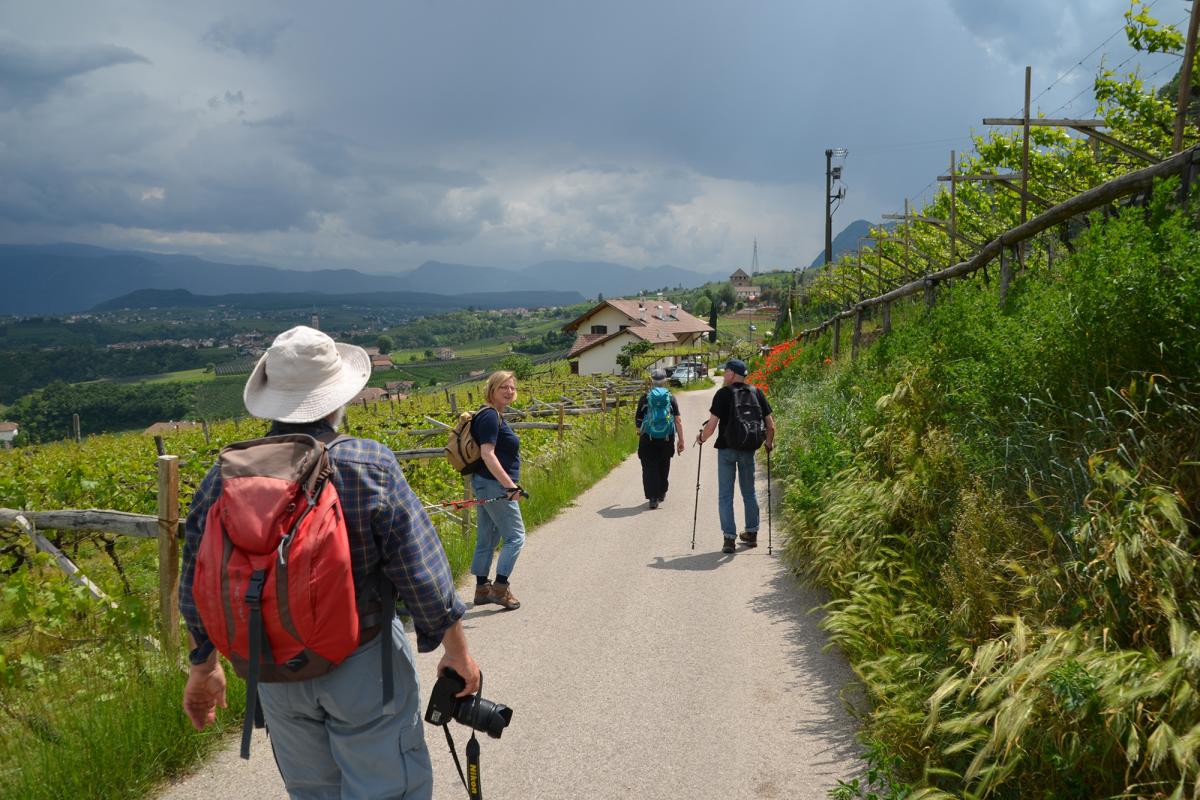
{"x": 388, "y": 529}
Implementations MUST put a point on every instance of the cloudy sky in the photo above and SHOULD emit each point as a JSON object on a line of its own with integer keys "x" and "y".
{"x": 377, "y": 135}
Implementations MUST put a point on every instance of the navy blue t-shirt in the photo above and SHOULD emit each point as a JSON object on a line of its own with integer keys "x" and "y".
{"x": 488, "y": 427}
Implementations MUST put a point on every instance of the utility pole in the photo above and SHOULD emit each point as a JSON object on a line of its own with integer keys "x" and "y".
{"x": 832, "y": 174}
{"x": 828, "y": 211}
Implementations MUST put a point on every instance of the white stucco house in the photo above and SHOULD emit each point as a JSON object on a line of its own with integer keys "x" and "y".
{"x": 8, "y": 432}
{"x": 603, "y": 330}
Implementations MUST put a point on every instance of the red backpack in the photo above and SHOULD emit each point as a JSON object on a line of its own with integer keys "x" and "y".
{"x": 274, "y": 585}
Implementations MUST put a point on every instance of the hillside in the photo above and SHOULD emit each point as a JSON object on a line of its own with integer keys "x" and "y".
{"x": 66, "y": 278}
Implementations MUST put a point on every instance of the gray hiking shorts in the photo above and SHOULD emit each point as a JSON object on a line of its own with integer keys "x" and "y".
{"x": 332, "y": 739}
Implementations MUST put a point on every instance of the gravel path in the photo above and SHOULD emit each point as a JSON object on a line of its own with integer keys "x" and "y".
{"x": 636, "y": 666}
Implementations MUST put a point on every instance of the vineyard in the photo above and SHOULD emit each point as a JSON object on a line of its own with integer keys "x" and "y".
{"x": 65, "y": 649}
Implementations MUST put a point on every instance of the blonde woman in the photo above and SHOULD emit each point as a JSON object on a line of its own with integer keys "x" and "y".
{"x": 496, "y": 476}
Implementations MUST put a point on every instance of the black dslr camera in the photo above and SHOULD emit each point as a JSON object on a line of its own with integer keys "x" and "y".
{"x": 474, "y": 711}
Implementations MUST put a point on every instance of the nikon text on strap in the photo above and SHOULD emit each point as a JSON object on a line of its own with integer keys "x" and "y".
{"x": 470, "y": 781}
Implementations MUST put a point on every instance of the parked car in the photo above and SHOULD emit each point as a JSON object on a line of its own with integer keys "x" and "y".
{"x": 684, "y": 373}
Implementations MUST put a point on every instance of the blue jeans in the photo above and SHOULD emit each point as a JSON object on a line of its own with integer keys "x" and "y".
{"x": 730, "y": 461}
{"x": 496, "y": 522}
{"x": 333, "y": 738}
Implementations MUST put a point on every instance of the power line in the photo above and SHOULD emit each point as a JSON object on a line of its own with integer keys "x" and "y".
{"x": 1129, "y": 58}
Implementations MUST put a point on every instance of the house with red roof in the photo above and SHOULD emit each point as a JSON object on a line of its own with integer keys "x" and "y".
{"x": 603, "y": 330}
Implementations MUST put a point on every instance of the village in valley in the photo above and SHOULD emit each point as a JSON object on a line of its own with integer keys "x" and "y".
{"x": 212, "y": 350}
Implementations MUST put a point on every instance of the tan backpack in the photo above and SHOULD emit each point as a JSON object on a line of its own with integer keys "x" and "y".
{"x": 461, "y": 450}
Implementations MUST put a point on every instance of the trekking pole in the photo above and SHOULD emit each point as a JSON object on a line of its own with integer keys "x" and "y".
{"x": 469, "y": 502}
{"x": 769, "y": 514}
{"x": 696, "y": 510}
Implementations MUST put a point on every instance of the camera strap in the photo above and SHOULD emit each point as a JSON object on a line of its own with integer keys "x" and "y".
{"x": 474, "y": 792}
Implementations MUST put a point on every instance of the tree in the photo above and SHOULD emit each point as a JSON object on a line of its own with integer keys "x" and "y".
{"x": 428, "y": 354}
{"x": 727, "y": 295}
{"x": 520, "y": 366}
{"x": 631, "y": 351}
{"x": 385, "y": 344}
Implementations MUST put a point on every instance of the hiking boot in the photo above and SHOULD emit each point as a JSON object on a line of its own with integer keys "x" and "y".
{"x": 483, "y": 593}
{"x": 729, "y": 547}
{"x": 749, "y": 538}
{"x": 654, "y": 502}
{"x": 502, "y": 595}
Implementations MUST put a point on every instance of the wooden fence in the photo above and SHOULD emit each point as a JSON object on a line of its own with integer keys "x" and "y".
{"x": 1127, "y": 185}
{"x": 166, "y": 526}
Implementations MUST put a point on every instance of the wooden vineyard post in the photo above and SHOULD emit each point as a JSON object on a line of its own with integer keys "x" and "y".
{"x": 837, "y": 337}
{"x": 76, "y": 428}
{"x": 857, "y": 338}
{"x": 1185, "y": 80}
{"x": 168, "y": 552}
{"x": 603, "y": 409}
{"x": 204, "y": 427}
{"x": 1024, "y": 169}
{"x": 453, "y": 403}
{"x": 1005, "y": 277}
{"x": 160, "y": 447}
{"x": 930, "y": 293}
{"x": 953, "y": 209}
{"x": 887, "y": 317}
{"x": 562, "y": 418}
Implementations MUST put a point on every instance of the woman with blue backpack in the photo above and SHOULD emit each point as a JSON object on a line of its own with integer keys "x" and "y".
{"x": 657, "y": 418}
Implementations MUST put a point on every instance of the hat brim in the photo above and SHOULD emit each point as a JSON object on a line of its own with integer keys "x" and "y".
{"x": 284, "y": 405}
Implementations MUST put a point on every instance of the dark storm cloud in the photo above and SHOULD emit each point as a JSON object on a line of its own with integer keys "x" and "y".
{"x": 29, "y": 73}
{"x": 1044, "y": 34}
{"x": 256, "y": 39}
{"x": 386, "y": 133}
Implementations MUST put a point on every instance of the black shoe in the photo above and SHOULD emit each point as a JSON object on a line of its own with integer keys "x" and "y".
{"x": 662, "y": 499}
{"x": 728, "y": 548}
{"x": 653, "y": 502}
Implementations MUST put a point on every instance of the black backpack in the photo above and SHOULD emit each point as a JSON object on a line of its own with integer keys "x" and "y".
{"x": 747, "y": 430}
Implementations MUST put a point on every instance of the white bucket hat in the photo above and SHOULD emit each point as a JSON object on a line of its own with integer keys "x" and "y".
{"x": 305, "y": 376}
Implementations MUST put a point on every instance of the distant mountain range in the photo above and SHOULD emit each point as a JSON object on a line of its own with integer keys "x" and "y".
{"x": 65, "y": 278}
{"x": 417, "y": 302}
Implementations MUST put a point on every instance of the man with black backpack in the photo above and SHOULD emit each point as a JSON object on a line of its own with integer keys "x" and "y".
{"x": 745, "y": 424}
{"x": 658, "y": 422}
{"x": 296, "y": 548}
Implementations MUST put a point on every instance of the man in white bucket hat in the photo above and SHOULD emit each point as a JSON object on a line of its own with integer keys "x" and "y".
{"x": 331, "y": 735}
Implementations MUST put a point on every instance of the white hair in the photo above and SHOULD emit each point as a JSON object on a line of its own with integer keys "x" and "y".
{"x": 337, "y": 418}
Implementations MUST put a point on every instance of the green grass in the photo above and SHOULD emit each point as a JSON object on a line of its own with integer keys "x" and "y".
{"x": 182, "y": 376}
{"x": 1001, "y": 504}
{"x": 110, "y": 727}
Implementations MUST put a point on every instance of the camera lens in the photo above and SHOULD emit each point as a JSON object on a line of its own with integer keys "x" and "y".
{"x": 483, "y": 715}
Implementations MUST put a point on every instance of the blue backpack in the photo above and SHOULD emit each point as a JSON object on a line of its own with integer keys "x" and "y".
{"x": 657, "y": 423}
